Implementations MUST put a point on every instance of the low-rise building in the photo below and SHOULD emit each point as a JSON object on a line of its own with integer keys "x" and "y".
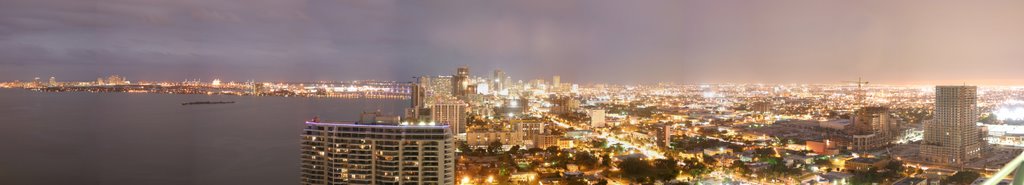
{"x": 826, "y": 147}
{"x": 523, "y": 177}
{"x": 484, "y": 137}
{"x": 546, "y": 140}
{"x": 858, "y": 164}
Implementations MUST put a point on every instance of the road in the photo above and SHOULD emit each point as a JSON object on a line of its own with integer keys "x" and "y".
{"x": 615, "y": 140}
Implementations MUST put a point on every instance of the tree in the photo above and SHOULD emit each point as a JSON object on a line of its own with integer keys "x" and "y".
{"x": 534, "y": 150}
{"x": 552, "y": 150}
{"x": 599, "y": 143}
{"x": 740, "y": 167}
{"x": 866, "y": 177}
{"x": 665, "y": 169}
{"x": 514, "y": 150}
{"x": 695, "y": 168}
{"x": 465, "y": 148}
{"x": 961, "y": 178}
{"x": 710, "y": 160}
{"x": 889, "y": 173}
{"x": 586, "y": 159}
{"x": 989, "y": 119}
{"x": 764, "y": 152}
{"x": 781, "y": 170}
{"x": 824, "y": 163}
{"x": 606, "y": 160}
{"x": 618, "y": 147}
{"x": 494, "y": 147}
{"x": 576, "y": 181}
{"x": 635, "y": 169}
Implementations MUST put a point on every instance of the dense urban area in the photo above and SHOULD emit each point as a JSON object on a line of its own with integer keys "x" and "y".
{"x": 492, "y": 129}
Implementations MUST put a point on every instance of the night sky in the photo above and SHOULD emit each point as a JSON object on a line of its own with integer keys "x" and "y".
{"x": 777, "y": 41}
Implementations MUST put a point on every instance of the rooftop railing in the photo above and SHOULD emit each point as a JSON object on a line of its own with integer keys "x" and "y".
{"x": 1013, "y": 165}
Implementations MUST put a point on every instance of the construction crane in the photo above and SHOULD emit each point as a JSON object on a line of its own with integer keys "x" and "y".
{"x": 860, "y": 91}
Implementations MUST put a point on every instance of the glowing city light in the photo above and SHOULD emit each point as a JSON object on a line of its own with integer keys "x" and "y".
{"x": 1010, "y": 113}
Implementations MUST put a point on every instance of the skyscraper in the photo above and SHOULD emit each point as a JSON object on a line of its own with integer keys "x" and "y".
{"x": 460, "y": 82}
{"x": 953, "y": 137}
{"x": 498, "y": 80}
{"x": 377, "y": 152}
{"x": 451, "y": 112}
{"x": 418, "y": 94}
{"x": 437, "y": 88}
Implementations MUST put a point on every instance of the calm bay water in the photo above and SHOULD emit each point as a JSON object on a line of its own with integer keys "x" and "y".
{"x": 123, "y": 138}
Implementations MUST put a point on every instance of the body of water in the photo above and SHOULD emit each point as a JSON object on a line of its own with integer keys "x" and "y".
{"x": 126, "y": 138}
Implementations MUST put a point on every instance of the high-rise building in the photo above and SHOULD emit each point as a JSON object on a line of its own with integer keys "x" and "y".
{"x": 953, "y": 137}
{"x": 556, "y": 82}
{"x": 53, "y": 81}
{"x": 418, "y": 95}
{"x": 664, "y": 135}
{"x": 452, "y": 113}
{"x": 116, "y": 80}
{"x": 873, "y": 128}
{"x": 436, "y": 88}
{"x": 377, "y": 152}
{"x": 597, "y": 118}
{"x": 529, "y": 127}
{"x": 258, "y": 88}
{"x": 564, "y": 104}
{"x": 499, "y": 80}
{"x": 460, "y": 83}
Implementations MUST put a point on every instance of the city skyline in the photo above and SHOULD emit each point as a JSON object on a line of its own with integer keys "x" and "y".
{"x": 211, "y": 80}
{"x": 513, "y": 92}
{"x": 945, "y": 42}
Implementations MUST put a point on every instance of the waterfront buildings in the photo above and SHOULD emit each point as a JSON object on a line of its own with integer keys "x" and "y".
{"x": 116, "y": 80}
{"x": 953, "y": 137}
{"x": 377, "y": 150}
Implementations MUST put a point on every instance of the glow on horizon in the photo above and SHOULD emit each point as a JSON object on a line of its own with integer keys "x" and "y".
{"x": 1013, "y": 113}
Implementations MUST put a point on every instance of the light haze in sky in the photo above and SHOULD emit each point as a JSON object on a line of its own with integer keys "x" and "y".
{"x": 777, "y": 41}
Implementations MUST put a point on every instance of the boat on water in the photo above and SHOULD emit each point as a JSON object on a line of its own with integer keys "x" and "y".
{"x": 207, "y": 102}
